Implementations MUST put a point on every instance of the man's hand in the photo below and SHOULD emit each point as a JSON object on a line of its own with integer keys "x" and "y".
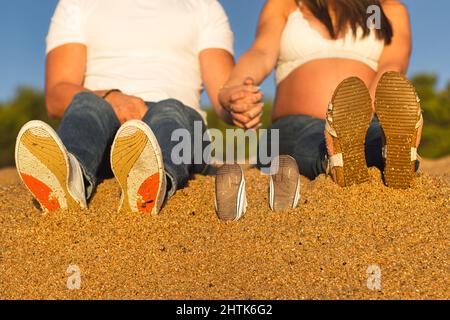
{"x": 127, "y": 107}
{"x": 243, "y": 103}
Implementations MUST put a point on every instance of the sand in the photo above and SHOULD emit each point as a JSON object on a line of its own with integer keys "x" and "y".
{"x": 321, "y": 250}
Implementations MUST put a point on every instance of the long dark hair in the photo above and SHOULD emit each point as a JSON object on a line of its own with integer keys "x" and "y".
{"x": 349, "y": 14}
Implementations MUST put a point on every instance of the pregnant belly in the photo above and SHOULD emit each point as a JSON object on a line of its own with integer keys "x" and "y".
{"x": 309, "y": 89}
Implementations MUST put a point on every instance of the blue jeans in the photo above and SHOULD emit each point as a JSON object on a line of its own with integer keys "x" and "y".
{"x": 302, "y": 137}
{"x": 89, "y": 126}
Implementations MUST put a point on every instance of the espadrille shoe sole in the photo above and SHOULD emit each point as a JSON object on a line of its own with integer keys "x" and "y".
{"x": 398, "y": 109}
{"x": 349, "y": 116}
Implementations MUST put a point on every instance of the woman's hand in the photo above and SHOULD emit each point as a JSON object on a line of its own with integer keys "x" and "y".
{"x": 243, "y": 102}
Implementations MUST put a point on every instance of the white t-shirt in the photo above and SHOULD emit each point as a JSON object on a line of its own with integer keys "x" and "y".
{"x": 146, "y": 48}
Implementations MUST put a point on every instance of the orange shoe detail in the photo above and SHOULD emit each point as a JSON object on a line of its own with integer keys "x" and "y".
{"x": 42, "y": 192}
{"x": 147, "y": 194}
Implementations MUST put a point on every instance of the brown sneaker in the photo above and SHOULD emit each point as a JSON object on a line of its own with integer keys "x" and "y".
{"x": 284, "y": 188}
{"x": 230, "y": 197}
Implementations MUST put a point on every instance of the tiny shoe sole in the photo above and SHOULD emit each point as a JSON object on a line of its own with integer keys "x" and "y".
{"x": 398, "y": 109}
{"x": 136, "y": 161}
{"x": 230, "y": 194}
{"x": 348, "y": 119}
{"x": 284, "y": 187}
{"x": 42, "y": 162}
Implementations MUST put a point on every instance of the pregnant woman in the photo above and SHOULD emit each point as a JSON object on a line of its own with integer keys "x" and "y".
{"x": 342, "y": 101}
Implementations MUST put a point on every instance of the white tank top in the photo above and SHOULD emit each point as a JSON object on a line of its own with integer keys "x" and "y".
{"x": 300, "y": 43}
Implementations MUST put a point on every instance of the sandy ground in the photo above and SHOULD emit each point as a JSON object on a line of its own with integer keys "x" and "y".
{"x": 321, "y": 250}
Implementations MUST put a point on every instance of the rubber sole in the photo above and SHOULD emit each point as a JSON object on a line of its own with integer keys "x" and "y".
{"x": 43, "y": 166}
{"x": 352, "y": 115}
{"x": 284, "y": 188}
{"x": 398, "y": 110}
{"x": 136, "y": 162}
{"x": 230, "y": 196}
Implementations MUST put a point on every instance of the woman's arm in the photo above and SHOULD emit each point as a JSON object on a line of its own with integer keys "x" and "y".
{"x": 258, "y": 62}
{"x": 395, "y": 57}
{"x": 255, "y": 65}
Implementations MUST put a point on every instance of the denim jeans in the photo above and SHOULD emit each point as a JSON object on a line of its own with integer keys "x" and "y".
{"x": 302, "y": 137}
{"x": 89, "y": 126}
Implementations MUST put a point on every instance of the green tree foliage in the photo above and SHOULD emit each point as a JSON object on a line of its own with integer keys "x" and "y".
{"x": 436, "y": 111}
{"x": 217, "y": 123}
{"x": 29, "y": 104}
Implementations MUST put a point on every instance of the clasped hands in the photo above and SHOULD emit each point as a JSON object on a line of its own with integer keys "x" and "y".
{"x": 243, "y": 103}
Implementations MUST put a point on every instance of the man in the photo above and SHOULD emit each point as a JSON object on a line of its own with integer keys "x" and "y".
{"x": 123, "y": 75}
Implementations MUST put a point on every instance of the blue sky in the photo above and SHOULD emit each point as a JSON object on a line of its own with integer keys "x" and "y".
{"x": 24, "y": 25}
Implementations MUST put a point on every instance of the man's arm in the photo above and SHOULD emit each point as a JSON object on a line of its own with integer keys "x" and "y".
{"x": 216, "y": 66}
{"x": 65, "y": 70}
{"x": 395, "y": 57}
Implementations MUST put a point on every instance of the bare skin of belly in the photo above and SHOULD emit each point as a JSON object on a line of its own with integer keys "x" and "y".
{"x": 309, "y": 89}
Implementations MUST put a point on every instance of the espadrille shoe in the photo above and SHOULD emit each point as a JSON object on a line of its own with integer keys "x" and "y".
{"x": 137, "y": 164}
{"x": 284, "y": 185}
{"x": 52, "y": 175}
{"x": 398, "y": 108}
{"x": 348, "y": 119}
{"x": 230, "y": 195}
